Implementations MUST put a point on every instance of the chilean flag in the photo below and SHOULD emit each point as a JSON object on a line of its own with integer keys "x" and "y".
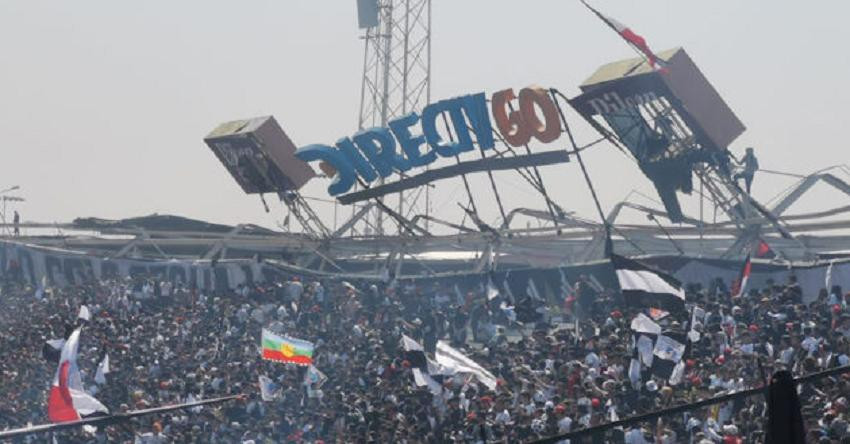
{"x": 68, "y": 401}
{"x": 631, "y": 37}
{"x": 740, "y": 284}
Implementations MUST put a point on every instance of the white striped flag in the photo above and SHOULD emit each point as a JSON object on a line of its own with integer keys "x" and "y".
{"x": 740, "y": 284}
{"x": 643, "y": 286}
{"x": 630, "y": 37}
{"x": 84, "y": 314}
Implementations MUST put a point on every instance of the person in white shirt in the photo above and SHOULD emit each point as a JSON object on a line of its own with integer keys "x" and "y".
{"x": 565, "y": 424}
{"x": 635, "y": 436}
{"x": 810, "y": 344}
{"x": 166, "y": 287}
{"x": 503, "y": 417}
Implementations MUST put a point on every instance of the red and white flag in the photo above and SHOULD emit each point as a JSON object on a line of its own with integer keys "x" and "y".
{"x": 631, "y": 37}
{"x": 740, "y": 284}
{"x": 68, "y": 401}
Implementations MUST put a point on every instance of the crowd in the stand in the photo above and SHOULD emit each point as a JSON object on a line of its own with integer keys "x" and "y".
{"x": 168, "y": 343}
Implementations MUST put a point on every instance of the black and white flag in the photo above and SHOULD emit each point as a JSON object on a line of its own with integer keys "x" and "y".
{"x": 643, "y": 286}
{"x": 668, "y": 354}
{"x": 423, "y": 368}
{"x": 414, "y": 353}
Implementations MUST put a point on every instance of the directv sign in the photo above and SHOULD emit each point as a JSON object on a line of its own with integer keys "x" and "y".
{"x": 373, "y": 153}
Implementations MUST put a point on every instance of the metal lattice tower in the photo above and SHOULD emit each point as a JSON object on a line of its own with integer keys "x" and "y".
{"x": 396, "y": 80}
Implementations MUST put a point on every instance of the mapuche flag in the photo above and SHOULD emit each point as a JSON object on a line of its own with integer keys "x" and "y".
{"x": 644, "y": 287}
{"x": 286, "y": 349}
{"x": 68, "y": 401}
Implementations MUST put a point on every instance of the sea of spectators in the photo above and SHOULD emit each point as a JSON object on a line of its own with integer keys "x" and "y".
{"x": 168, "y": 344}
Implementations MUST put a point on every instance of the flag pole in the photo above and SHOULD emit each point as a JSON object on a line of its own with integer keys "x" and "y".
{"x": 112, "y": 419}
{"x": 614, "y": 28}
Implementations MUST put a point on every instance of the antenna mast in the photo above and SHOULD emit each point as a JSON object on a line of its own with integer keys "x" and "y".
{"x": 396, "y": 80}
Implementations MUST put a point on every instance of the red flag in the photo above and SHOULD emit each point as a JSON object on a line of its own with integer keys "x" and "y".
{"x": 631, "y": 37}
{"x": 764, "y": 250}
{"x": 68, "y": 401}
{"x": 740, "y": 284}
{"x": 60, "y": 406}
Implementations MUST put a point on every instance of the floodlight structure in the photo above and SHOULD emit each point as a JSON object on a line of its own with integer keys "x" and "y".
{"x": 676, "y": 126}
{"x": 396, "y": 81}
{"x": 260, "y": 157}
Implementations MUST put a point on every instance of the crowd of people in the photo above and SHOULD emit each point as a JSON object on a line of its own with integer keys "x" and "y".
{"x": 562, "y": 365}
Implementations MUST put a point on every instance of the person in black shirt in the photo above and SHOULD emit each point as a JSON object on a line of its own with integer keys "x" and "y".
{"x": 751, "y": 165}
{"x": 16, "y": 221}
{"x": 585, "y": 296}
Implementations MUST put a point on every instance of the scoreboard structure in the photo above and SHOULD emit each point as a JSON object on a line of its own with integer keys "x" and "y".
{"x": 259, "y": 155}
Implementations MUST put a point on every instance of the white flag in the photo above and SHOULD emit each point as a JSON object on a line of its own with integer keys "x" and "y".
{"x": 669, "y": 349}
{"x": 678, "y": 373}
{"x": 434, "y": 368}
{"x": 828, "y": 283}
{"x": 84, "y": 313}
{"x": 642, "y": 324}
{"x": 314, "y": 377}
{"x": 267, "y": 388}
{"x": 459, "y": 363}
{"x": 57, "y": 344}
{"x": 698, "y": 315}
{"x": 634, "y": 373}
{"x": 102, "y": 370}
{"x": 410, "y": 344}
{"x": 644, "y": 346}
{"x": 492, "y": 291}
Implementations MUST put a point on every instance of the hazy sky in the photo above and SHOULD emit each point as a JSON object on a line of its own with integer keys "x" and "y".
{"x": 104, "y": 104}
